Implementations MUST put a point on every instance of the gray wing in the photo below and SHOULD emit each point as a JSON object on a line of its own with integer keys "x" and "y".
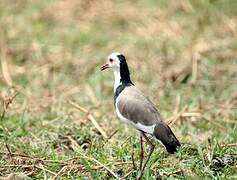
{"x": 134, "y": 106}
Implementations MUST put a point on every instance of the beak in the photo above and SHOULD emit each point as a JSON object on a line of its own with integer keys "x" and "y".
{"x": 105, "y": 66}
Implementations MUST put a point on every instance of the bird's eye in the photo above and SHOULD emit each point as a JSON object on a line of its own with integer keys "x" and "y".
{"x": 111, "y": 60}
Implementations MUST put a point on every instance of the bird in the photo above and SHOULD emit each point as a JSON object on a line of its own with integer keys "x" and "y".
{"x": 135, "y": 109}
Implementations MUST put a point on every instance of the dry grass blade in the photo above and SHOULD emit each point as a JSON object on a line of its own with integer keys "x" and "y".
{"x": 191, "y": 114}
{"x": 99, "y": 163}
{"x": 97, "y": 126}
{"x": 60, "y": 173}
{"x": 176, "y": 117}
{"x": 195, "y": 57}
{"x": 174, "y": 172}
{"x": 6, "y": 104}
{"x": 17, "y": 165}
{"x": 115, "y": 132}
{"x": 44, "y": 169}
{"x": 90, "y": 117}
{"x": 230, "y": 145}
{"x": 5, "y": 69}
{"x": 91, "y": 94}
{"x": 128, "y": 174}
{"x": 25, "y": 156}
{"x": 75, "y": 145}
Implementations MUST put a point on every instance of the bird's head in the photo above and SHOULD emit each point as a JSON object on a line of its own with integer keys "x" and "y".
{"x": 115, "y": 61}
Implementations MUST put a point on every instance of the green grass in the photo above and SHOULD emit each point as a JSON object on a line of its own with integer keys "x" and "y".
{"x": 54, "y": 49}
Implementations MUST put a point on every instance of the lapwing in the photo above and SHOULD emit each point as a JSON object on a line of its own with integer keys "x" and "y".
{"x": 134, "y": 108}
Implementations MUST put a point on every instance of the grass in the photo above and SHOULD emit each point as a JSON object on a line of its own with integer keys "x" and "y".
{"x": 51, "y": 51}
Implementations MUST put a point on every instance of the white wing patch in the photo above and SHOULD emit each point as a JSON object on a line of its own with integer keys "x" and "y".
{"x": 139, "y": 126}
{"x": 146, "y": 129}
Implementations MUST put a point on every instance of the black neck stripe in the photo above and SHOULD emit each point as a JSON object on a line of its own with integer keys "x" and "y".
{"x": 124, "y": 71}
{"x": 125, "y": 77}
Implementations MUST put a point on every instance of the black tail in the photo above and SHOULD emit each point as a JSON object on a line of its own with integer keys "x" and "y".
{"x": 167, "y": 137}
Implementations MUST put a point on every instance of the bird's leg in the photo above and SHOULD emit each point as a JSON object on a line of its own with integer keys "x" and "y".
{"x": 152, "y": 146}
{"x": 141, "y": 153}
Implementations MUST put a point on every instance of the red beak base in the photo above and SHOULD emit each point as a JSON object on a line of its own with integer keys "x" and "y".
{"x": 105, "y": 66}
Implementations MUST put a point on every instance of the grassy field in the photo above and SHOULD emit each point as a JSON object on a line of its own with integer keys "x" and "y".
{"x": 57, "y": 118}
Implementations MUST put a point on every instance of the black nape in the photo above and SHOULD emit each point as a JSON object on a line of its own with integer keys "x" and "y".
{"x": 124, "y": 71}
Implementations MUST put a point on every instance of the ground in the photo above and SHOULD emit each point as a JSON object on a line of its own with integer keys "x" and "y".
{"x": 57, "y": 115}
